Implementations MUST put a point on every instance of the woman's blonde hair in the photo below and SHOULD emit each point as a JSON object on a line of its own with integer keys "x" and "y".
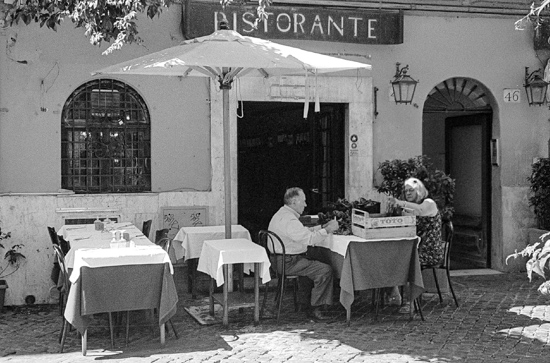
{"x": 421, "y": 191}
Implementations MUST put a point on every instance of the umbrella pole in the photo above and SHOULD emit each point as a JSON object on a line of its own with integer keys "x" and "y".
{"x": 227, "y": 158}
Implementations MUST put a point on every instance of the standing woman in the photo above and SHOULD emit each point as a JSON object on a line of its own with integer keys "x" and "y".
{"x": 428, "y": 220}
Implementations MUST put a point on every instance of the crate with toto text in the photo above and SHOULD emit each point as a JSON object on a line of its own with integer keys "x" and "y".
{"x": 362, "y": 225}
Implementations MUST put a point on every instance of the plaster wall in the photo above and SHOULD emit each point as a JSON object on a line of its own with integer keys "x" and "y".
{"x": 186, "y": 114}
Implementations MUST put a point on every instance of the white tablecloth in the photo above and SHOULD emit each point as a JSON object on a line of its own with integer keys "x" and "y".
{"x": 85, "y": 236}
{"x": 216, "y": 253}
{"x": 339, "y": 243}
{"x": 92, "y": 248}
{"x": 103, "y": 257}
{"x": 189, "y": 240}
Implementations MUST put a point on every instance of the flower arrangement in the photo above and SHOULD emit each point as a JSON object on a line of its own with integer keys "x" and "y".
{"x": 538, "y": 254}
{"x": 12, "y": 256}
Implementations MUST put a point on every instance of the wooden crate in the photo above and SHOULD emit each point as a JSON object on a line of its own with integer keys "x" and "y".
{"x": 384, "y": 227}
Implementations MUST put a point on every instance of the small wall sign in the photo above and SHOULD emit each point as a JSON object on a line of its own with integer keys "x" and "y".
{"x": 512, "y": 95}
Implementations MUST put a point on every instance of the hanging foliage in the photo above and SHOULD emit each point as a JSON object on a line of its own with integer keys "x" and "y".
{"x": 112, "y": 21}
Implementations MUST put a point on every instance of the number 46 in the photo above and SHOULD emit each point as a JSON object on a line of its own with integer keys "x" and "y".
{"x": 512, "y": 95}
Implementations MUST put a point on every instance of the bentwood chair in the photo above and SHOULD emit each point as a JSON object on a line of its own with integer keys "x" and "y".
{"x": 269, "y": 240}
{"x": 444, "y": 263}
{"x": 56, "y": 270}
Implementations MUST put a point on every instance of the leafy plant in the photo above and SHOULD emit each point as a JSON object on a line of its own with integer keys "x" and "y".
{"x": 441, "y": 187}
{"x": 12, "y": 256}
{"x": 341, "y": 210}
{"x": 538, "y": 254}
{"x": 112, "y": 21}
{"x": 540, "y": 192}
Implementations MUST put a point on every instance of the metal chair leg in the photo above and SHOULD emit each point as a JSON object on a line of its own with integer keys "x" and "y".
{"x": 64, "y": 330}
{"x": 418, "y": 308}
{"x": 451, "y": 286}
{"x": 437, "y": 285}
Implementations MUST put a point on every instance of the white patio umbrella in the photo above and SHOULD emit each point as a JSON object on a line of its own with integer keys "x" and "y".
{"x": 224, "y": 56}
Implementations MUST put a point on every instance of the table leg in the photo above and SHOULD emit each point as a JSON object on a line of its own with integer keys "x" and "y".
{"x": 192, "y": 277}
{"x": 211, "y": 294}
{"x": 348, "y": 315}
{"x": 229, "y": 278}
{"x": 84, "y": 342}
{"x": 225, "y": 295}
{"x": 256, "y": 293}
{"x": 162, "y": 334}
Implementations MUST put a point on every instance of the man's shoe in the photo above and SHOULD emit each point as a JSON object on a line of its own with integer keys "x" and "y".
{"x": 317, "y": 314}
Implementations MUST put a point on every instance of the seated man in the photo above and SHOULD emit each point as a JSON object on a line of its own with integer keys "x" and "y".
{"x": 296, "y": 238}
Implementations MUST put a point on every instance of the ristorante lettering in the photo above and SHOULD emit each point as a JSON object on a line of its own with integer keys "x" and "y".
{"x": 336, "y": 25}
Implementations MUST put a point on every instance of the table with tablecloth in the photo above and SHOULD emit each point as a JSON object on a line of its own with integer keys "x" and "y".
{"x": 188, "y": 242}
{"x": 215, "y": 257}
{"x": 363, "y": 264}
{"x": 86, "y": 236}
{"x": 105, "y": 279}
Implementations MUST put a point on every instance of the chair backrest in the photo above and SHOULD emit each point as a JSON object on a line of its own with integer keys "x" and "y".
{"x": 146, "y": 227}
{"x": 269, "y": 240}
{"x": 447, "y": 234}
{"x": 162, "y": 239}
{"x": 63, "y": 268}
{"x": 53, "y": 235}
{"x": 160, "y": 234}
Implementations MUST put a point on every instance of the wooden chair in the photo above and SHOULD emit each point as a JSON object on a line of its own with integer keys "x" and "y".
{"x": 56, "y": 270}
{"x": 146, "y": 227}
{"x": 444, "y": 264}
{"x": 162, "y": 239}
{"x": 269, "y": 240}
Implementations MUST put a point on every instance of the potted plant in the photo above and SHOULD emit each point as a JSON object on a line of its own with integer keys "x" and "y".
{"x": 440, "y": 186}
{"x": 538, "y": 255}
{"x": 539, "y": 185}
{"x": 13, "y": 258}
{"x": 341, "y": 210}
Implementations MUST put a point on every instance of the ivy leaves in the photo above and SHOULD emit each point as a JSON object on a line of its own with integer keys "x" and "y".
{"x": 111, "y": 21}
{"x": 540, "y": 191}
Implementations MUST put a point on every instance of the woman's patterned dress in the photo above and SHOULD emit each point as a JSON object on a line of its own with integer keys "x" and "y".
{"x": 431, "y": 247}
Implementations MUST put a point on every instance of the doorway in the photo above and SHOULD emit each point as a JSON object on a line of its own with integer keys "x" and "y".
{"x": 278, "y": 149}
{"x": 457, "y": 129}
{"x": 467, "y": 151}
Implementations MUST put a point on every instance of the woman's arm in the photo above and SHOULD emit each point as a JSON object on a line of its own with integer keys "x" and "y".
{"x": 426, "y": 208}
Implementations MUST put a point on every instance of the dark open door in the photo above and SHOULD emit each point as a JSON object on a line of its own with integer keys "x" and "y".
{"x": 468, "y": 162}
{"x": 279, "y": 149}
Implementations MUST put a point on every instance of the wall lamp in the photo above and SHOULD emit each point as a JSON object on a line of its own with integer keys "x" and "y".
{"x": 403, "y": 85}
{"x": 535, "y": 87}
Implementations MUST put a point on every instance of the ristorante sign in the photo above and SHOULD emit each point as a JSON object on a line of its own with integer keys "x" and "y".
{"x": 299, "y": 23}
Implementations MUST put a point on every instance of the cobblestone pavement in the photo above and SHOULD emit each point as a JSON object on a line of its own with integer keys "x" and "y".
{"x": 501, "y": 318}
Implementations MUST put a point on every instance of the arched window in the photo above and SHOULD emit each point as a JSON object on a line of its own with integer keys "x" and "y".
{"x": 105, "y": 139}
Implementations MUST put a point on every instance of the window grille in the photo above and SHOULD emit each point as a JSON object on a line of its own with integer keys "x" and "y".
{"x": 106, "y": 139}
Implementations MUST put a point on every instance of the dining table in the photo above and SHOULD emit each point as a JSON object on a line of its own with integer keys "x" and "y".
{"x": 188, "y": 242}
{"x": 217, "y": 255}
{"x": 362, "y": 264}
{"x": 105, "y": 279}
